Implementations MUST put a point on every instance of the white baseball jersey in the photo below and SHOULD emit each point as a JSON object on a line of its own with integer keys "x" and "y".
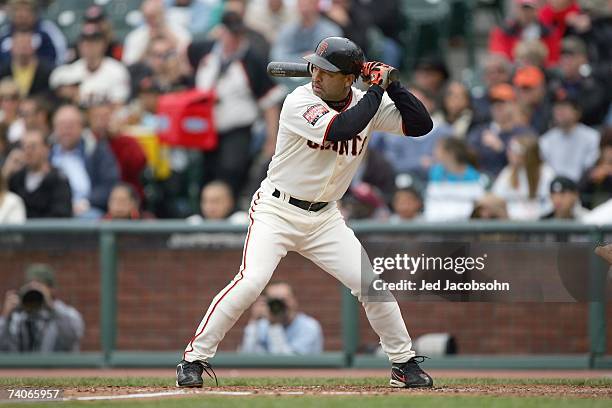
{"x": 306, "y": 165}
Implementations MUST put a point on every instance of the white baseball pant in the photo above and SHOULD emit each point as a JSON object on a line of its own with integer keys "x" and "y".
{"x": 277, "y": 227}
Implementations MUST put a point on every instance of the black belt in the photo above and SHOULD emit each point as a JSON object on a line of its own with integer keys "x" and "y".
{"x": 303, "y": 204}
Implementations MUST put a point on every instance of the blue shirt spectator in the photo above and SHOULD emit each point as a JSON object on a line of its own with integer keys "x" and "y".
{"x": 276, "y": 327}
{"x": 48, "y": 40}
{"x": 198, "y": 16}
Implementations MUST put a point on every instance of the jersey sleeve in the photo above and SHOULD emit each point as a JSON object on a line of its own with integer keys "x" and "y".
{"x": 307, "y": 116}
{"x": 388, "y": 119}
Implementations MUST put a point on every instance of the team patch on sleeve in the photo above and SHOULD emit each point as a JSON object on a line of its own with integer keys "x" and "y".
{"x": 314, "y": 113}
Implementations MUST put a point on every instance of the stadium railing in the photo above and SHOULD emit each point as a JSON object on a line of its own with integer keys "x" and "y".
{"x": 109, "y": 356}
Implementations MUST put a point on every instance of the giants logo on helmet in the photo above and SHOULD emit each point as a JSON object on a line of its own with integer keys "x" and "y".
{"x": 322, "y": 48}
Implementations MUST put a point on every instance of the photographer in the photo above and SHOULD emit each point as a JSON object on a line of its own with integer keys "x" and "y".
{"x": 276, "y": 327}
{"x": 34, "y": 320}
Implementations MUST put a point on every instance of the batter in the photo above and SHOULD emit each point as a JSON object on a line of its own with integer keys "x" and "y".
{"x": 325, "y": 127}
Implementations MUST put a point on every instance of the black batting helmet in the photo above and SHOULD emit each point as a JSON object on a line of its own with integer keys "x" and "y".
{"x": 337, "y": 54}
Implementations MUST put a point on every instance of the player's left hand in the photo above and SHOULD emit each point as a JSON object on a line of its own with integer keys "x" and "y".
{"x": 376, "y": 73}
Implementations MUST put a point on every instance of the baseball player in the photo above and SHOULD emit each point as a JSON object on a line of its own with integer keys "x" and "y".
{"x": 324, "y": 129}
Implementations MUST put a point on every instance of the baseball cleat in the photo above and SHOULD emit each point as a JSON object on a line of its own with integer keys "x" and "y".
{"x": 410, "y": 375}
{"x": 189, "y": 374}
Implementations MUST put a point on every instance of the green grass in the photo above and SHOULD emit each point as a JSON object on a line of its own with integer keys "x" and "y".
{"x": 67, "y": 382}
{"x": 396, "y": 399}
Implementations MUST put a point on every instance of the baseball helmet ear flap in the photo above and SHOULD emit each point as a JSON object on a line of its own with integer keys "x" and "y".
{"x": 338, "y": 54}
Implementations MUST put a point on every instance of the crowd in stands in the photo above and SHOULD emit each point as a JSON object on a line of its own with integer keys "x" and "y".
{"x": 79, "y": 120}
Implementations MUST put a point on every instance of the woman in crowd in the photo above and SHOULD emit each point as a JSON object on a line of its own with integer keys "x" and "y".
{"x": 456, "y": 109}
{"x": 524, "y": 182}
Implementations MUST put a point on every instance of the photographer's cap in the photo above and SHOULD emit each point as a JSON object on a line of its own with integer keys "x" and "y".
{"x": 42, "y": 273}
{"x": 562, "y": 184}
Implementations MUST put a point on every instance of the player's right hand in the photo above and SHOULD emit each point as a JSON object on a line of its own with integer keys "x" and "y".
{"x": 11, "y": 301}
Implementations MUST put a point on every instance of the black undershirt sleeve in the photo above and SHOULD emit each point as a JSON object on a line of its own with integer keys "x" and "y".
{"x": 348, "y": 124}
{"x": 415, "y": 118}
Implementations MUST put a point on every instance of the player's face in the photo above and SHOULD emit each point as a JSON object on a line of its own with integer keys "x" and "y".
{"x": 330, "y": 86}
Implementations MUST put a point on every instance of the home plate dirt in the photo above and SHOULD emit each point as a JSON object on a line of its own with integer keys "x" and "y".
{"x": 557, "y": 391}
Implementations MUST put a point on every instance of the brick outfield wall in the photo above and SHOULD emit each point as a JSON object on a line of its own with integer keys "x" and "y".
{"x": 164, "y": 293}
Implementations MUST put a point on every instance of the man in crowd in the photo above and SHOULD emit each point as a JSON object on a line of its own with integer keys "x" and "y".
{"x": 89, "y": 163}
{"x": 44, "y": 190}
{"x": 49, "y": 42}
{"x": 34, "y": 320}
{"x": 277, "y": 327}
{"x": 30, "y": 73}
{"x": 100, "y": 77}
{"x": 566, "y": 200}
{"x": 570, "y": 148}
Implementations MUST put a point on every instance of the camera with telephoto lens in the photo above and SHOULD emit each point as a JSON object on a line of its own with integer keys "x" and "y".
{"x": 32, "y": 299}
{"x": 277, "y": 307}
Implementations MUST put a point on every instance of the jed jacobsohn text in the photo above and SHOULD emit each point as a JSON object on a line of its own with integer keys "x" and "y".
{"x": 449, "y": 286}
{"x": 413, "y": 264}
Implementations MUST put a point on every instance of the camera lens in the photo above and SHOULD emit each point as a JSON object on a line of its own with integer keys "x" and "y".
{"x": 32, "y": 300}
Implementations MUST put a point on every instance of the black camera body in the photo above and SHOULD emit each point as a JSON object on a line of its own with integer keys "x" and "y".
{"x": 32, "y": 299}
{"x": 277, "y": 307}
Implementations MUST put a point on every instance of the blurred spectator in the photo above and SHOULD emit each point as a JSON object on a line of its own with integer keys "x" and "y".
{"x": 36, "y": 114}
{"x": 124, "y": 204}
{"x": 268, "y": 16}
{"x": 95, "y": 15}
{"x": 453, "y": 163}
{"x": 34, "y": 320}
{"x": 407, "y": 200}
{"x": 524, "y": 183}
{"x": 88, "y": 163}
{"x": 565, "y": 200}
{"x": 12, "y": 209}
{"x": 530, "y": 85}
{"x": 9, "y": 109}
{"x": 258, "y": 42}
{"x": 48, "y": 40}
{"x": 523, "y": 24}
{"x": 455, "y": 110}
{"x": 217, "y": 203}
{"x": 376, "y": 171}
{"x": 364, "y": 201}
{"x": 156, "y": 25}
{"x": 353, "y": 20}
{"x": 490, "y": 140}
{"x": 570, "y": 148}
{"x": 104, "y": 123}
{"x": 65, "y": 85}
{"x": 558, "y": 14}
{"x": 198, "y": 16}
{"x": 490, "y": 207}
{"x": 497, "y": 69}
{"x": 454, "y": 183}
{"x": 29, "y": 73}
{"x": 161, "y": 65}
{"x": 277, "y": 327}
{"x": 95, "y": 71}
{"x": 299, "y": 38}
{"x": 431, "y": 75}
{"x": 596, "y": 185}
{"x": 388, "y": 17}
{"x": 531, "y": 52}
{"x": 594, "y": 27}
{"x": 576, "y": 79}
{"x": 44, "y": 190}
{"x": 238, "y": 75}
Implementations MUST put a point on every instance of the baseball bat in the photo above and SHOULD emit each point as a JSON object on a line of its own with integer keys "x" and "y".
{"x": 298, "y": 69}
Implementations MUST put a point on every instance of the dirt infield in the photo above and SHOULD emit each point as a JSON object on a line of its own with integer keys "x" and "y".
{"x": 451, "y": 383}
{"x": 557, "y": 391}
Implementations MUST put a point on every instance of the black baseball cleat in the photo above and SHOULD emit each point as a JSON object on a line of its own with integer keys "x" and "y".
{"x": 410, "y": 375}
{"x": 189, "y": 374}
